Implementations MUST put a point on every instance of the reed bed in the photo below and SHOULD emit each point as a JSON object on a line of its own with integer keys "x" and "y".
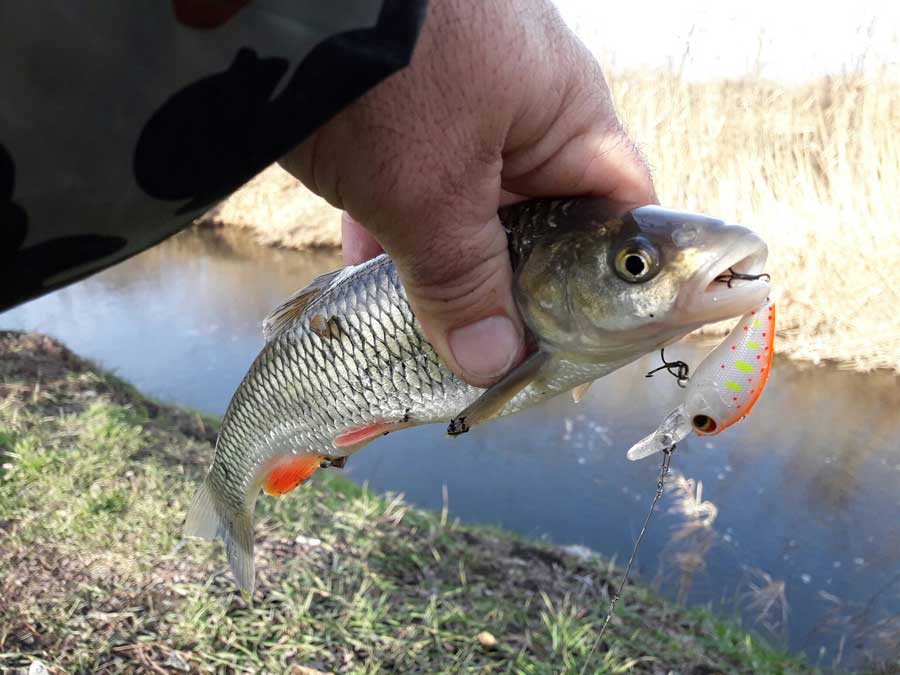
{"x": 815, "y": 169}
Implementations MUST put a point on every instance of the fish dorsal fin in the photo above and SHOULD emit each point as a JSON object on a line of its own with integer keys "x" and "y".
{"x": 282, "y": 316}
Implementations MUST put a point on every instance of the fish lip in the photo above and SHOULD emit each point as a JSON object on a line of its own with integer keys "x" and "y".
{"x": 706, "y": 300}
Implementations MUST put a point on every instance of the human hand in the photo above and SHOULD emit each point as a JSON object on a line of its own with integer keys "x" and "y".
{"x": 500, "y": 103}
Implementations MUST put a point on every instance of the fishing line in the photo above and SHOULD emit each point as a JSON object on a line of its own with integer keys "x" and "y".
{"x": 732, "y": 276}
{"x": 678, "y": 369}
{"x": 660, "y": 485}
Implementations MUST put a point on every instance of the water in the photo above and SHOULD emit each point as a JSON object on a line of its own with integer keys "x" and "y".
{"x": 805, "y": 490}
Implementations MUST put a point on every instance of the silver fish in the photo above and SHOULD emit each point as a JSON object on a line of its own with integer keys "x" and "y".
{"x": 346, "y": 360}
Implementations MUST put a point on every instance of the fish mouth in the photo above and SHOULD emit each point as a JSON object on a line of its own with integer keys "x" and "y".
{"x": 716, "y": 293}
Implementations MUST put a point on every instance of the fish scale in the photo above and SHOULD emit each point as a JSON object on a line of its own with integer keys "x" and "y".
{"x": 313, "y": 397}
{"x": 346, "y": 360}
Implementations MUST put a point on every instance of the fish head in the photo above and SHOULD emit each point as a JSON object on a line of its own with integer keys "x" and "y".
{"x": 613, "y": 288}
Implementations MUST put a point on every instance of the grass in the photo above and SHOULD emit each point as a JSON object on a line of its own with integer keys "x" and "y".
{"x": 95, "y": 480}
{"x": 815, "y": 169}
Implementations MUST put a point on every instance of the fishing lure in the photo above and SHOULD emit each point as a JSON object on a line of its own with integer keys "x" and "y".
{"x": 724, "y": 387}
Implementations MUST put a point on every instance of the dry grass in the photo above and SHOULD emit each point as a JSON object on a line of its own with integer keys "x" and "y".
{"x": 815, "y": 168}
{"x": 687, "y": 503}
{"x": 766, "y": 597}
{"x": 278, "y": 210}
{"x": 693, "y": 535}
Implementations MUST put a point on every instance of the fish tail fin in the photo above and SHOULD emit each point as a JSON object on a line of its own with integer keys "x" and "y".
{"x": 203, "y": 520}
{"x": 239, "y": 549}
{"x": 209, "y": 519}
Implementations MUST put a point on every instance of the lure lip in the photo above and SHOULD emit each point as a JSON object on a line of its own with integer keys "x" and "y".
{"x": 673, "y": 429}
{"x": 705, "y": 300}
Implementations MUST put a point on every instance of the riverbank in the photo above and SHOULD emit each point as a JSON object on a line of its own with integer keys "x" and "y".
{"x": 275, "y": 209}
{"x": 94, "y": 482}
{"x": 812, "y": 167}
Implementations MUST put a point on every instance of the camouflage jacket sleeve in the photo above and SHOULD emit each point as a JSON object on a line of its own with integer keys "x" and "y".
{"x": 120, "y": 122}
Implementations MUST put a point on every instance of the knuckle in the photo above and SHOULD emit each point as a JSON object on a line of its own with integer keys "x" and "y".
{"x": 461, "y": 284}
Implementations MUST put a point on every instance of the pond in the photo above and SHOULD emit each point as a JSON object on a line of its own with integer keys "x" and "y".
{"x": 789, "y": 520}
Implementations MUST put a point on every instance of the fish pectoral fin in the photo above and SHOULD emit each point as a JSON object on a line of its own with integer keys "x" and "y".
{"x": 288, "y": 471}
{"x": 579, "y": 391}
{"x": 282, "y": 316}
{"x": 491, "y": 402}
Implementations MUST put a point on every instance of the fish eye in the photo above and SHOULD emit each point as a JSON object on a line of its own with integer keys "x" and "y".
{"x": 636, "y": 262}
{"x": 704, "y": 424}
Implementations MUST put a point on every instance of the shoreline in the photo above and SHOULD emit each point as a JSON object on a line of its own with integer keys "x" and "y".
{"x": 323, "y": 236}
{"x": 94, "y": 481}
{"x": 275, "y": 209}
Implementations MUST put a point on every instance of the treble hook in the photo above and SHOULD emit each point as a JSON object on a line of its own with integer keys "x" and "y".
{"x": 677, "y": 369}
{"x": 732, "y": 275}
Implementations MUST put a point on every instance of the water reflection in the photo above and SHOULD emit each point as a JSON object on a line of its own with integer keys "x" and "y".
{"x": 181, "y": 320}
{"x": 692, "y": 537}
{"x": 804, "y": 491}
{"x": 765, "y": 599}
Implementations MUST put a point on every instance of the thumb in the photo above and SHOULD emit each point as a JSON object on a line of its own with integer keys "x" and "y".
{"x": 458, "y": 279}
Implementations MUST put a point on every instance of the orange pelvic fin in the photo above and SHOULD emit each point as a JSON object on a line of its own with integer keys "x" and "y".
{"x": 366, "y": 433}
{"x": 288, "y": 472}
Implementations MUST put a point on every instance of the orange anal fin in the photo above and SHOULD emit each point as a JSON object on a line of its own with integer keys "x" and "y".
{"x": 366, "y": 433}
{"x": 288, "y": 472}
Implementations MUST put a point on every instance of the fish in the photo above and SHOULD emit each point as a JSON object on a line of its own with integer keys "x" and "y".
{"x": 346, "y": 361}
{"x": 725, "y": 386}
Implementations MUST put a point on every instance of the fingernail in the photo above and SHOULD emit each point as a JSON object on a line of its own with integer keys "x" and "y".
{"x": 486, "y": 348}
